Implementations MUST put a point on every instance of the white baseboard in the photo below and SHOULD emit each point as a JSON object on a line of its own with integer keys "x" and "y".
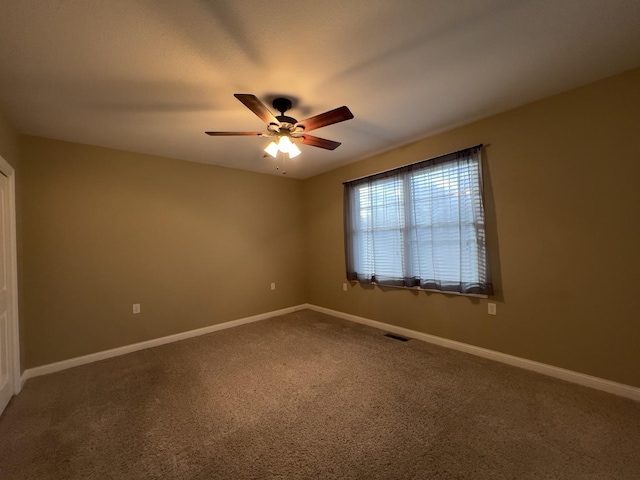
{"x": 580, "y": 378}
{"x": 557, "y": 372}
{"x": 115, "y": 352}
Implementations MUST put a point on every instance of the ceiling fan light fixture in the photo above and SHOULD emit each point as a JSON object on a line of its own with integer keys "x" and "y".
{"x": 284, "y": 145}
{"x": 272, "y": 149}
{"x": 294, "y": 151}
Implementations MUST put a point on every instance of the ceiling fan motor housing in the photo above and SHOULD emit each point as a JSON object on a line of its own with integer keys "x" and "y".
{"x": 284, "y": 119}
{"x": 282, "y": 105}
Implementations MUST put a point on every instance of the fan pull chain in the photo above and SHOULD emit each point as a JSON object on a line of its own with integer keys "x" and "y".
{"x": 282, "y": 156}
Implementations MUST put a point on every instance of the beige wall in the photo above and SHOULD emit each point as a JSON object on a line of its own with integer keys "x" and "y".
{"x": 195, "y": 245}
{"x": 563, "y": 201}
{"x": 198, "y": 245}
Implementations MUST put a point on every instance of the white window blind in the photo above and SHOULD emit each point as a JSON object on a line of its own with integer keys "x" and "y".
{"x": 421, "y": 225}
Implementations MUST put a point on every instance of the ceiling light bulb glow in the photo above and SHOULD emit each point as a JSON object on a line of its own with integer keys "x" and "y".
{"x": 272, "y": 149}
{"x": 285, "y": 144}
{"x": 294, "y": 151}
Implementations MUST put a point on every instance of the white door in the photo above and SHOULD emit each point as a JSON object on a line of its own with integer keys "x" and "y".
{"x": 6, "y": 331}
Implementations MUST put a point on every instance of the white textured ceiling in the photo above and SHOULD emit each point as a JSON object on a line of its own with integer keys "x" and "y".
{"x": 152, "y": 75}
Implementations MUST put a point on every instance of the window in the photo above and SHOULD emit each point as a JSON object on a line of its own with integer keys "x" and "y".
{"x": 421, "y": 225}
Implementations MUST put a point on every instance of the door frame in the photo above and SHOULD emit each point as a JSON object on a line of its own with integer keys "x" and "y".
{"x": 12, "y": 278}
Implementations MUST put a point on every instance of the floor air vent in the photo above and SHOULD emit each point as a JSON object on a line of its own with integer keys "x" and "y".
{"x": 396, "y": 337}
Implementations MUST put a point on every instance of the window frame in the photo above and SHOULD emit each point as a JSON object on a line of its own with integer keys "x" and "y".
{"x": 473, "y": 273}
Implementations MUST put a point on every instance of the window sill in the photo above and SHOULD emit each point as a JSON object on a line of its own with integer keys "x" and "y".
{"x": 428, "y": 290}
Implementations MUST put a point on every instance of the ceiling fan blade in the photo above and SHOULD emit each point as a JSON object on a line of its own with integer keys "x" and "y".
{"x": 234, "y": 134}
{"x": 320, "y": 142}
{"x": 327, "y": 118}
{"x": 254, "y": 104}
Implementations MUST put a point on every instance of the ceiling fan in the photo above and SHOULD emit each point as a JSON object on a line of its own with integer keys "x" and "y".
{"x": 287, "y": 131}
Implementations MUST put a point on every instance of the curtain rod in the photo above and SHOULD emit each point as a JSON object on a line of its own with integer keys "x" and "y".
{"x": 480, "y": 145}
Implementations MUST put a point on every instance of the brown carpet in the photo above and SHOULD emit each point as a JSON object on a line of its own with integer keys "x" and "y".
{"x": 309, "y": 396}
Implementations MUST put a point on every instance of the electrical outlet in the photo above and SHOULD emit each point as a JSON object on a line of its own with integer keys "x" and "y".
{"x": 491, "y": 309}
{"x": 344, "y": 287}
{"x": 136, "y": 308}
{"x": 273, "y": 286}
